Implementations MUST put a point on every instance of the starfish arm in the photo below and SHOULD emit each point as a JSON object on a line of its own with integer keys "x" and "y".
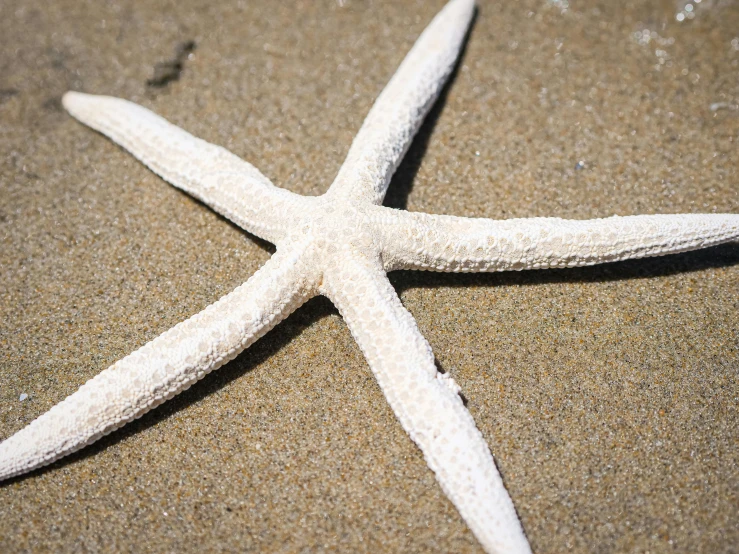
{"x": 400, "y": 109}
{"x": 231, "y": 186}
{"x": 426, "y": 402}
{"x": 164, "y": 367}
{"x": 460, "y": 244}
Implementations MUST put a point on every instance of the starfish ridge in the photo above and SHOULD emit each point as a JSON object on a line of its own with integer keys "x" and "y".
{"x": 341, "y": 245}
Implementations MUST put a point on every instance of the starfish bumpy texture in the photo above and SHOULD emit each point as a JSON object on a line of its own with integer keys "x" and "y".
{"x": 341, "y": 245}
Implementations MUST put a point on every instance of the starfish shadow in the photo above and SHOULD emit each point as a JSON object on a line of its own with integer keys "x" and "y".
{"x": 404, "y": 177}
{"x": 309, "y": 314}
{"x": 724, "y": 255}
{"x": 402, "y": 184}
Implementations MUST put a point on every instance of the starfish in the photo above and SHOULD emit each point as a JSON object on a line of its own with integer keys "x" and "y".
{"x": 341, "y": 245}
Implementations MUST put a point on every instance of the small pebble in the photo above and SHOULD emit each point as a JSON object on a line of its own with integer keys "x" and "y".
{"x": 716, "y": 106}
{"x": 23, "y": 397}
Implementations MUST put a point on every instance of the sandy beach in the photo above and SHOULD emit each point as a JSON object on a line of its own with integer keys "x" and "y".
{"x": 607, "y": 394}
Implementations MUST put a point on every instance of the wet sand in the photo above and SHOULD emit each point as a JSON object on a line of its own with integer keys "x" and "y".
{"x": 607, "y": 394}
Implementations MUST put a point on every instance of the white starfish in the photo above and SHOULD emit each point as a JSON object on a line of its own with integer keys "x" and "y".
{"x": 341, "y": 245}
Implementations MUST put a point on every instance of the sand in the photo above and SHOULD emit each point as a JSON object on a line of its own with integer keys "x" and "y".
{"x": 607, "y": 395}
